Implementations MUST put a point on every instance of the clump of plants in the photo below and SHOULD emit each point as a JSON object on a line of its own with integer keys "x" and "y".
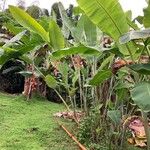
{"x": 92, "y": 131}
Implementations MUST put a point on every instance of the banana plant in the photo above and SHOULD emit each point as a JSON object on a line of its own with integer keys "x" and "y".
{"x": 140, "y": 90}
{"x": 110, "y": 18}
{"x": 81, "y": 45}
{"x": 38, "y": 34}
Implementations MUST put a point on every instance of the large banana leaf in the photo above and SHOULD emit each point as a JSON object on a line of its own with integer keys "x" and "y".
{"x": 67, "y": 22}
{"x": 76, "y": 50}
{"x": 7, "y": 53}
{"x": 90, "y": 31}
{"x": 107, "y": 15}
{"x": 28, "y": 22}
{"x": 16, "y": 30}
{"x": 110, "y": 18}
{"x": 146, "y": 19}
{"x": 79, "y": 29}
{"x": 56, "y": 37}
{"x": 13, "y": 29}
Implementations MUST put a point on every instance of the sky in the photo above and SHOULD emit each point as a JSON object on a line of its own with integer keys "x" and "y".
{"x": 135, "y": 5}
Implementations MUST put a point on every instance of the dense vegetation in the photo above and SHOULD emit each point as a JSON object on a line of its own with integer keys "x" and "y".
{"x": 93, "y": 58}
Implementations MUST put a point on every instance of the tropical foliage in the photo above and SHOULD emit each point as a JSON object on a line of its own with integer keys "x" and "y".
{"x": 95, "y": 58}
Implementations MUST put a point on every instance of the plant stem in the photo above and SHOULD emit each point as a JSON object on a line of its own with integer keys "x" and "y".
{"x": 84, "y": 93}
{"x": 146, "y": 126}
{"x": 62, "y": 100}
{"x": 141, "y": 53}
{"x": 130, "y": 52}
{"x": 94, "y": 66}
{"x": 80, "y": 88}
{"x": 108, "y": 96}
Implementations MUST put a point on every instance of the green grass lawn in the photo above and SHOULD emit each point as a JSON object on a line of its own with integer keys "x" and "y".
{"x": 29, "y": 125}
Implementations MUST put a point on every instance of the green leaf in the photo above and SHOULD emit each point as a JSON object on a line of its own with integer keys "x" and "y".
{"x": 67, "y": 22}
{"x": 35, "y": 39}
{"x": 26, "y": 59}
{"x": 141, "y": 68}
{"x": 64, "y": 69}
{"x": 79, "y": 29}
{"x": 26, "y": 48}
{"x": 110, "y": 18}
{"x": 107, "y": 15}
{"x": 100, "y": 77}
{"x": 132, "y": 35}
{"x": 106, "y": 61}
{"x": 56, "y": 37}
{"x": 75, "y": 50}
{"x": 13, "y": 29}
{"x": 128, "y": 14}
{"x": 77, "y": 10}
{"x": 28, "y": 22}
{"x": 91, "y": 35}
{"x": 139, "y": 19}
{"x": 7, "y": 53}
{"x": 123, "y": 85}
{"x": 146, "y": 18}
{"x": 75, "y": 77}
{"x": 129, "y": 20}
{"x": 50, "y": 81}
{"x": 141, "y": 95}
{"x": 72, "y": 92}
{"x": 121, "y": 94}
{"x": 115, "y": 116}
{"x": 14, "y": 39}
{"x": 132, "y": 24}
